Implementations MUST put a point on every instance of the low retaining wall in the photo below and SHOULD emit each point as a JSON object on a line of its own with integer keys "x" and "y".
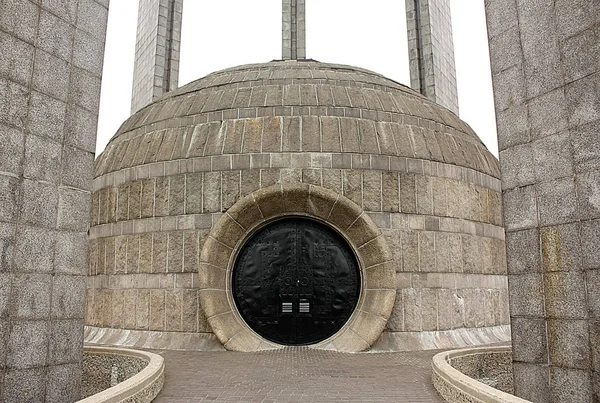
{"x": 120, "y": 375}
{"x": 475, "y": 375}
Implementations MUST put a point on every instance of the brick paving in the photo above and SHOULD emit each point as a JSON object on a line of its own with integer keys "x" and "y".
{"x": 297, "y": 375}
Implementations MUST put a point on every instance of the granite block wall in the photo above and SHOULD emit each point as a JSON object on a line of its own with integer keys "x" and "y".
{"x": 157, "y": 50}
{"x": 431, "y": 51}
{"x": 544, "y": 58}
{"x": 294, "y": 29}
{"x": 50, "y": 73}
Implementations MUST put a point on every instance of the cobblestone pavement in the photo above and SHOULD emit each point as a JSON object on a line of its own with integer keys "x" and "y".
{"x": 297, "y": 375}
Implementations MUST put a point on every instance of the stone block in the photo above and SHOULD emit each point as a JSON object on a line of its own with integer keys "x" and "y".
{"x": 587, "y": 186}
{"x": 522, "y": 251}
{"x": 42, "y": 159}
{"x": 39, "y": 204}
{"x": 408, "y": 198}
{"x": 50, "y": 75}
{"x": 76, "y": 166}
{"x": 521, "y": 208}
{"x": 593, "y": 293}
{"x": 456, "y": 256}
{"x": 557, "y": 202}
{"x": 372, "y": 190}
{"x": 529, "y": 340}
{"x": 565, "y": 295}
{"x": 573, "y": 17}
{"x": 73, "y": 209}
{"x": 17, "y": 64}
{"x": 13, "y": 106}
{"x": 526, "y": 295}
{"x": 390, "y": 192}
{"x": 368, "y": 327}
{"x": 211, "y": 192}
{"x": 427, "y": 251}
{"x": 505, "y": 50}
{"x": 552, "y": 157}
{"x": 173, "y": 303}
{"x": 80, "y": 128}
{"x": 509, "y": 93}
{"x": 569, "y": 343}
{"x": 580, "y": 54}
{"x": 142, "y": 309}
{"x": 561, "y": 248}
{"x": 11, "y": 154}
{"x": 157, "y": 310}
{"x": 531, "y": 382}
{"x": 35, "y": 250}
{"x": 175, "y": 252}
{"x": 68, "y": 297}
{"x": 177, "y": 194}
{"x": 193, "y": 194}
{"x": 66, "y": 342}
{"x": 570, "y": 385}
{"x": 518, "y": 167}
{"x": 411, "y": 299}
{"x": 27, "y": 344}
{"x": 31, "y": 296}
{"x": 15, "y": 390}
{"x": 230, "y": 183}
{"x": 63, "y": 383}
{"x": 583, "y": 101}
{"x": 88, "y": 51}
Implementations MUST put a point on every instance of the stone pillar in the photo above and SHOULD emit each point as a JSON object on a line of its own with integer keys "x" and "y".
{"x": 156, "y": 66}
{"x": 50, "y": 73}
{"x": 294, "y": 30}
{"x": 546, "y": 75}
{"x": 431, "y": 51}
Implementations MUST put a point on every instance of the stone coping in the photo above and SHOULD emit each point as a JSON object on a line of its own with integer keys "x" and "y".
{"x": 155, "y": 340}
{"x": 442, "y": 339}
{"x": 217, "y": 259}
{"x": 141, "y": 387}
{"x": 455, "y": 386}
{"x": 384, "y": 220}
{"x": 309, "y": 160}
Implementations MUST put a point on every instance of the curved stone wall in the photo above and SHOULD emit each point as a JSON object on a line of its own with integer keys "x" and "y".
{"x": 421, "y": 175}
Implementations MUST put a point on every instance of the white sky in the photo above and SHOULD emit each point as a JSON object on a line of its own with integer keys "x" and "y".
{"x": 369, "y": 34}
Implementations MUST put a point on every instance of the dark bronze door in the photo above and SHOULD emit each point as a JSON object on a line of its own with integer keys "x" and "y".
{"x": 296, "y": 282}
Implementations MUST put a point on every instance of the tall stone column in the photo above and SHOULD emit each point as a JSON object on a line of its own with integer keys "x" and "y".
{"x": 431, "y": 51}
{"x": 294, "y": 30}
{"x": 546, "y": 76}
{"x": 157, "y": 49}
{"x": 51, "y": 55}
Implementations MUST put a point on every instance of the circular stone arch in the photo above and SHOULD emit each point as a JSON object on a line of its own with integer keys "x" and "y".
{"x": 243, "y": 219}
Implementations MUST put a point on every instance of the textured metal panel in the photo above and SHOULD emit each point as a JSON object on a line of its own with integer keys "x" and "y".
{"x": 296, "y": 282}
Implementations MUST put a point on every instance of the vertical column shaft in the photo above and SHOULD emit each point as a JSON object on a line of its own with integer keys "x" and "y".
{"x": 431, "y": 51}
{"x": 50, "y": 75}
{"x": 157, "y": 53}
{"x": 294, "y": 30}
{"x": 546, "y": 77}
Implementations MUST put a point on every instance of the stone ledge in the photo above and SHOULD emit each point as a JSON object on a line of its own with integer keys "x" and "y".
{"x": 455, "y": 387}
{"x": 152, "y": 339}
{"x": 142, "y": 387}
{"x": 304, "y": 160}
{"x": 444, "y": 339}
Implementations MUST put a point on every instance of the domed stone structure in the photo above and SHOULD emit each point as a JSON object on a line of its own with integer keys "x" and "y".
{"x": 296, "y": 203}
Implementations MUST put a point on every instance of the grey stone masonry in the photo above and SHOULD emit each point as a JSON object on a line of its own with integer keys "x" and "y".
{"x": 51, "y": 55}
{"x": 156, "y": 68}
{"x": 431, "y": 51}
{"x": 546, "y": 75}
{"x": 294, "y": 30}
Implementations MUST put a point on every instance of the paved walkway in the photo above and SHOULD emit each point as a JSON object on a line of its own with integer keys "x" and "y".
{"x": 297, "y": 375}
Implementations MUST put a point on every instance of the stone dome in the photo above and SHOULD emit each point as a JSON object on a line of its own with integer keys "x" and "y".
{"x": 345, "y": 109}
{"x": 298, "y": 147}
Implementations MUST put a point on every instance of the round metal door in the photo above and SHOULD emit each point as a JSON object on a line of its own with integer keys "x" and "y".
{"x": 296, "y": 282}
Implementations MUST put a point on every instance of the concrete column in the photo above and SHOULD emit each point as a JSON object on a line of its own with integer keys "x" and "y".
{"x": 546, "y": 75}
{"x": 156, "y": 66}
{"x": 294, "y": 30}
{"x": 431, "y": 51}
{"x": 50, "y": 73}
